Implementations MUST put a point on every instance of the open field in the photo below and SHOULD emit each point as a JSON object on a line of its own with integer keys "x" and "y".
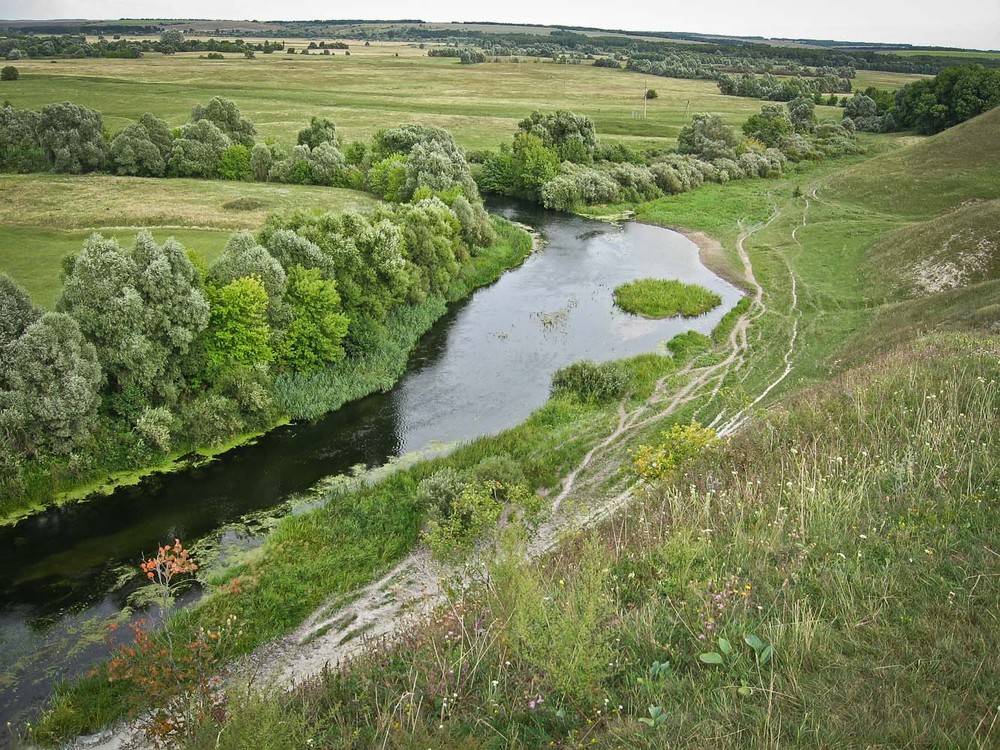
{"x": 371, "y": 89}
{"x": 44, "y": 217}
{"x": 883, "y": 79}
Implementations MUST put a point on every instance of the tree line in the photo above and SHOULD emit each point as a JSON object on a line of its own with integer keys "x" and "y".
{"x": 18, "y": 46}
{"x": 557, "y": 159}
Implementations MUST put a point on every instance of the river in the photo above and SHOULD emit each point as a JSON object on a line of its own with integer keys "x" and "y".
{"x": 483, "y": 367}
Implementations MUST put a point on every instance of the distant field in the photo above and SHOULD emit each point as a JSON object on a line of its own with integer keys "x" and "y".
{"x": 945, "y": 53}
{"x": 883, "y": 80}
{"x": 44, "y": 217}
{"x": 480, "y": 104}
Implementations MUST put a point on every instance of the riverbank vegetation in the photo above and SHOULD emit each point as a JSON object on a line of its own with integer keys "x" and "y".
{"x": 664, "y": 298}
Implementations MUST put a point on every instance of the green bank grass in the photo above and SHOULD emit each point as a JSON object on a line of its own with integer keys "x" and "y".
{"x": 665, "y": 298}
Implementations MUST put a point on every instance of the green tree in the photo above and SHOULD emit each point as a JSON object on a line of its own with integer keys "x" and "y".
{"x": 20, "y": 149}
{"x": 326, "y": 164}
{"x": 314, "y": 335}
{"x": 475, "y": 222}
{"x": 438, "y": 166}
{"x": 431, "y": 234}
{"x": 243, "y": 257}
{"x": 709, "y": 137}
{"x": 172, "y": 38}
{"x": 72, "y": 137}
{"x": 198, "y": 151}
{"x": 572, "y": 136}
{"x": 387, "y": 178}
{"x": 176, "y": 310}
{"x": 234, "y": 163}
{"x": 261, "y": 161}
{"x": 9, "y": 73}
{"x": 402, "y": 139}
{"x": 238, "y": 334}
{"x": 225, "y": 115}
{"x": 291, "y": 250}
{"x": 141, "y": 310}
{"x": 16, "y": 311}
{"x": 769, "y": 125}
{"x": 952, "y": 96}
{"x": 802, "y": 112}
{"x": 142, "y": 148}
{"x": 497, "y": 175}
{"x": 49, "y": 383}
{"x": 320, "y": 130}
{"x": 532, "y": 165}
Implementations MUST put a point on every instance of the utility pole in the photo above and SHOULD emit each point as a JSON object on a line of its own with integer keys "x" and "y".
{"x": 645, "y": 99}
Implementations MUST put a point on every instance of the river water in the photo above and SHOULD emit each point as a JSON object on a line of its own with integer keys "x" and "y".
{"x": 483, "y": 367}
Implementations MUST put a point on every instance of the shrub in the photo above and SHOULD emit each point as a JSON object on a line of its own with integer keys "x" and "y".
{"x": 439, "y": 491}
{"x": 210, "y": 418}
{"x": 591, "y": 382}
{"x": 155, "y": 426}
{"x": 500, "y": 469}
{"x": 654, "y": 463}
{"x": 234, "y": 163}
{"x": 9, "y": 73}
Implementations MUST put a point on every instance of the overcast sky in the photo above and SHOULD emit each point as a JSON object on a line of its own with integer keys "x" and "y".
{"x": 958, "y": 23}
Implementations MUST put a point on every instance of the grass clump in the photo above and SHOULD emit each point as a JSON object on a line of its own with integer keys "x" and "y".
{"x": 665, "y": 298}
{"x": 244, "y": 204}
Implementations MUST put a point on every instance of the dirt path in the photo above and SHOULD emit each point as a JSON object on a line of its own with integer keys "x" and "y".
{"x": 735, "y": 422}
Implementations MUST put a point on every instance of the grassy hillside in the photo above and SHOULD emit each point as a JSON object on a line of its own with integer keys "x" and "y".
{"x": 852, "y": 531}
{"x": 44, "y": 217}
{"x": 931, "y": 176}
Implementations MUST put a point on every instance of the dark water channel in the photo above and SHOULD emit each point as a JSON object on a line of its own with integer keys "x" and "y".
{"x": 483, "y": 368}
